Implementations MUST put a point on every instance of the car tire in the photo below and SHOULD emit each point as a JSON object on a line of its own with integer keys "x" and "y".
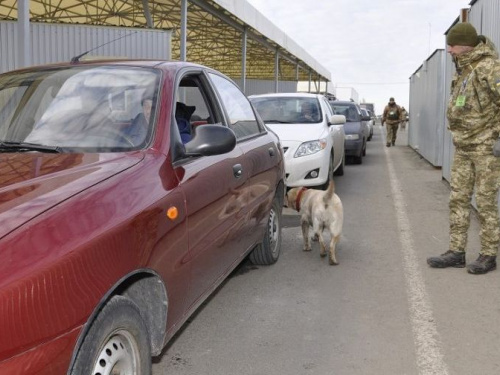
{"x": 340, "y": 169}
{"x": 268, "y": 251}
{"x": 359, "y": 158}
{"x": 116, "y": 341}
{"x": 364, "y": 149}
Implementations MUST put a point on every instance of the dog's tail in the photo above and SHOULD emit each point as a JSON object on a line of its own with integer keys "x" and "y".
{"x": 327, "y": 198}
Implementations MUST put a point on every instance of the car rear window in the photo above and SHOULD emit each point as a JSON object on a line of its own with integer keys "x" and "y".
{"x": 80, "y": 109}
{"x": 349, "y": 111}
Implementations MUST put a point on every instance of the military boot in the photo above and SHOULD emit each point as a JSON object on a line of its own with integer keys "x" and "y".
{"x": 483, "y": 264}
{"x": 388, "y": 144}
{"x": 449, "y": 259}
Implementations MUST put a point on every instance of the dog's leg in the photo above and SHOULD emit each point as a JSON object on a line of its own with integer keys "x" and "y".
{"x": 322, "y": 245}
{"x": 333, "y": 244}
{"x": 305, "y": 234}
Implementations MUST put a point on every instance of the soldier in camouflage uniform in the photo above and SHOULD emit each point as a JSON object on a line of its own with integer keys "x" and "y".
{"x": 474, "y": 120}
{"x": 391, "y": 116}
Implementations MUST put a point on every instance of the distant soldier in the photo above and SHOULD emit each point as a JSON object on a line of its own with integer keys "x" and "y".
{"x": 391, "y": 117}
{"x": 404, "y": 116}
{"x": 474, "y": 120}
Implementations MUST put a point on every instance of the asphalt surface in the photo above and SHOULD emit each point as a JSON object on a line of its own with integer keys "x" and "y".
{"x": 382, "y": 310}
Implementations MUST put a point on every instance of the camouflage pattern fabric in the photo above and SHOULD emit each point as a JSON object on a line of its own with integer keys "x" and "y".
{"x": 474, "y": 106}
{"x": 474, "y": 121}
{"x": 386, "y": 117}
{"x": 392, "y": 131}
{"x": 474, "y": 168}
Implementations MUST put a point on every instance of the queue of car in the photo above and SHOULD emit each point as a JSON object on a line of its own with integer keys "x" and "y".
{"x": 312, "y": 136}
{"x": 356, "y": 129}
{"x": 117, "y": 223}
{"x": 369, "y": 122}
{"x": 130, "y": 189}
{"x": 317, "y": 134}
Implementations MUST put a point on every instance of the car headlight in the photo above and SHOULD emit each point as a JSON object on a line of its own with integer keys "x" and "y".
{"x": 309, "y": 148}
{"x": 352, "y": 136}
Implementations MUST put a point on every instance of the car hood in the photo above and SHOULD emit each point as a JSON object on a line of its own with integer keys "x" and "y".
{"x": 299, "y": 132}
{"x": 32, "y": 183}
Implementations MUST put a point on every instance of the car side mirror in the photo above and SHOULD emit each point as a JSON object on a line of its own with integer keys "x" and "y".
{"x": 337, "y": 120}
{"x": 365, "y": 118}
{"x": 211, "y": 140}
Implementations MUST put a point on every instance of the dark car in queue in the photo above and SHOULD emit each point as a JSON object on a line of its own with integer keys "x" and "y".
{"x": 366, "y": 116}
{"x": 356, "y": 129}
{"x": 115, "y": 227}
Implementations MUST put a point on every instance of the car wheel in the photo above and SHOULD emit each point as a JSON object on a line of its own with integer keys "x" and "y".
{"x": 116, "y": 343}
{"x": 268, "y": 251}
{"x": 364, "y": 149}
{"x": 358, "y": 159}
{"x": 340, "y": 169}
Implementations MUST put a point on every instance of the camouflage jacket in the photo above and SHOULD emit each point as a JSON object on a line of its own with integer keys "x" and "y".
{"x": 386, "y": 116}
{"x": 474, "y": 107}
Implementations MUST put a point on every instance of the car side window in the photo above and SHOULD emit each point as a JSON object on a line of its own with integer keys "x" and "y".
{"x": 193, "y": 106}
{"x": 241, "y": 116}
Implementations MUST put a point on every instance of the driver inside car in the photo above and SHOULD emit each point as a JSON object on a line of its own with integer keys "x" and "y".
{"x": 138, "y": 129}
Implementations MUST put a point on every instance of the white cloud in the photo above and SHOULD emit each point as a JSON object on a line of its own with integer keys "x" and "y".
{"x": 373, "y": 46}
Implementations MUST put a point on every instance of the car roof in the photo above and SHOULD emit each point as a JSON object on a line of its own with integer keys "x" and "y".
{"x": 288, "y": 95}
{"x": 158, "y": 64}
{"x": 342, "y": 102}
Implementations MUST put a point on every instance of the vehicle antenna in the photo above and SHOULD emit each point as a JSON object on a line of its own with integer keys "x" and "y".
{"x": 76, "y": 59}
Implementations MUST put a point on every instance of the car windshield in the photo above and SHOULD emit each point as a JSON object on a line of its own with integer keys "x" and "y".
{"x": 288, "y": 110}
{"x": 349, "y": 111}
{"x": 79, "y": 109}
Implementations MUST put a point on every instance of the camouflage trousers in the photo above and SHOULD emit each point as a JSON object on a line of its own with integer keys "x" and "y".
{"x": 475, "y": 169}
{"x": 392, "y": 130}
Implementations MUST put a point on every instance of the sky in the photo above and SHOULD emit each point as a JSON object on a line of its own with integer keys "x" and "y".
{"x": 371, "y": 46}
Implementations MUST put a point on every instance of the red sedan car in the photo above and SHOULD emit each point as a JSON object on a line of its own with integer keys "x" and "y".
{"x": 128, "y": 192}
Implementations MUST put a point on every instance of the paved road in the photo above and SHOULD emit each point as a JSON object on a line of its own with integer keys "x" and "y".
{"x": 380, "y": 311}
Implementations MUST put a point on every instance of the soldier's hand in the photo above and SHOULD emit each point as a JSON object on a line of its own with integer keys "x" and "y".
{"x": 496, "y": 148}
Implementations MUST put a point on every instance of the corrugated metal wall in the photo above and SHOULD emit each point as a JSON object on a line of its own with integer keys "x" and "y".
{"x": 8, "y": 46}
{"x": 427, "y": 109}
{"x": 484, "y": 15}
{"x": 57, "y": 43}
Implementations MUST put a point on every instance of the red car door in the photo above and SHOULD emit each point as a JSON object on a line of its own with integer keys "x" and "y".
{"x": 260, "y": 162}
{"x": 212, "y": 186}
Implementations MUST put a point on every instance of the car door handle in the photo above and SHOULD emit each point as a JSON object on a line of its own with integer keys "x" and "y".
{"x": 237, "y": 170}
{"x": 272, "y": 152}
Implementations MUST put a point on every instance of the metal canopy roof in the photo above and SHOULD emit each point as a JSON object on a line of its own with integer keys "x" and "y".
{"x": 214, "y": 33}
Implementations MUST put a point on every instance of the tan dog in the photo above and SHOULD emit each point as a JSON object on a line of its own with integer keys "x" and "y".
{"x": 320, "y": 210}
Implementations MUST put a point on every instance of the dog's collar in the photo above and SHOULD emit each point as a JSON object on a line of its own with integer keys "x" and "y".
{"x": 299, "y": 197}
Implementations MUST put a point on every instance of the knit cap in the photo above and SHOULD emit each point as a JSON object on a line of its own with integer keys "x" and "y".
{"x": 462, "y": 34}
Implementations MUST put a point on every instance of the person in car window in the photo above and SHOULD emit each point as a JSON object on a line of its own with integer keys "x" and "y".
{"x": 309, "y": 112}
{"x": 473, "y": 119}
{"x": 391, "y": 117}
{"x": 183, "y": 114}
{"x": 138, "y": 130}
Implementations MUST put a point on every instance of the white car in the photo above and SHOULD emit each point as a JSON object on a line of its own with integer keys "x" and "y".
{"x": 311, "y": 135}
